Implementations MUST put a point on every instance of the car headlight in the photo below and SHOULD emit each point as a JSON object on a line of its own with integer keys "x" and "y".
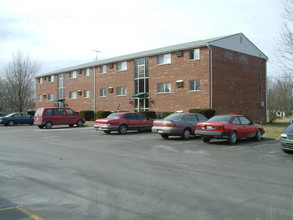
{"x": 284, "y": 135}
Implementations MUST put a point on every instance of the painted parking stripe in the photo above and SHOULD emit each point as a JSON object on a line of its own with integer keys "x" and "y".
{"x": 23, "y": 210}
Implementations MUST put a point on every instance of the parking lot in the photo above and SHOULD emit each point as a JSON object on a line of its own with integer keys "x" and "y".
{"x": 80, "y": 173}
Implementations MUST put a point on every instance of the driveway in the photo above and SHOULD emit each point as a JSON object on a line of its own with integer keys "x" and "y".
{"x": 80, "y": 173}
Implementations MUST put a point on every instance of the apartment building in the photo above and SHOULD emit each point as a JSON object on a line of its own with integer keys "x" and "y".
{"x": 226, "y": 73}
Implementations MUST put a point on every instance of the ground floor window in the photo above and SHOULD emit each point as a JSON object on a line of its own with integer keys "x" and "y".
{"x": 194, "y": 85}
{"x": 121, "y": 91}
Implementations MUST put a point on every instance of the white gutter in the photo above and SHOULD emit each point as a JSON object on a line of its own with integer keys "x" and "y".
{"x": 211, "y": 75}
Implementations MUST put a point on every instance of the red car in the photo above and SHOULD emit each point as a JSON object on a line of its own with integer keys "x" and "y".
{"x": 231, "y": 127}
{"x": 124, "y": 121}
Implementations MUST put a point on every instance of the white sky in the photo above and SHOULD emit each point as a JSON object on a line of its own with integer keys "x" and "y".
{"x": 63, "y": 33}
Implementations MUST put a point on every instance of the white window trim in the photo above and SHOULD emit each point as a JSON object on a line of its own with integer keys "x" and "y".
{"x": 124, "y": 62}
{"x": 86, "y": 94}
{"x": 104, "y": 68}
{"x": 104, "y": 93}
{"x": 120, "y": 90}
{"x": 164, "y": 88}
{"x": 169, "y": 61}
{"x": 86, "y": 72}
{"x": 195, "y": 90}
{"x": 71, "y": 94}
{"x": 40, "y": 98}
{"x": 72, "y": 75}
{"x": 40, "y": 80}
{"x": 50, "y": 97}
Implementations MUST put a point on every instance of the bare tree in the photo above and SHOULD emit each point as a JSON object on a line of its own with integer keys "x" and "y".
{"x": 19, "y": 82}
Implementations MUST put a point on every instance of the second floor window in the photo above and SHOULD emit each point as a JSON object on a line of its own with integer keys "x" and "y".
{"x": 164, "y": 59}
{"x": 72, "y": 95}
{"x": 102, "y": 92}
{"x": 40, "y": 80}
{"x": 163, "y": 87}
{"x": 51, "y": 78}
{"x": 50, "y": 97}
{"x": 121, "y": 91}
{"x": 194, "y": 54}
{"x": 40, "y": 98}
{"x": 86, "y": 72}
{"x": 72, "y": 75}
{"x": 86, "y": 94}
{"x": 103, "y": 69}
{"x": 122, "y": 66}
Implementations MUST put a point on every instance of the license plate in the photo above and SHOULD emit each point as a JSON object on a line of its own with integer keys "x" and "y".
{"x": 209, "y": 127}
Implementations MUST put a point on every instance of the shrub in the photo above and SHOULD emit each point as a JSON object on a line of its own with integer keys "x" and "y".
{"x": 103, "y": 114}
{"x": 150, "y": 114}
{"x": 165, "y": 114}
{"x": 206, "y": 112}
{"x": 87, "y": 114}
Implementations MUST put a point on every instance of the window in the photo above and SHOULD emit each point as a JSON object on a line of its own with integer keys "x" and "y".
{"x": 72, "y": 95}
{"x": 122, "y": 66}
{"x": 236, "y": 121}
{"x": 194, "y": 85}
{"x": 72, "y": 75}
{"x": 69, "y": 111}
{"x": 102, "y": 92}
{"x": 40, "y": 80}
{"x": 86, "y": 72}
{"x": 164, "y": 88}
{"x": 164, "y": 59}
{"x": 244, "y": 121}
{"x": 86, "y": 94}
{"x": 40, "y": 98}
{"x": 51, "y": 78}
{"x": 130, "y": 116}
{"x": 103, "y": 69}
{"x": 50, "y": 97}
{"x": 194, "y": 54}
{"x": 201, "y": 118}
{"x": 121, "y": 91}
{"x": 192, "y": 118}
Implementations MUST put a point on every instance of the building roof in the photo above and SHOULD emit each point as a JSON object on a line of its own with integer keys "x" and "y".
{"x": 218, "y": 41}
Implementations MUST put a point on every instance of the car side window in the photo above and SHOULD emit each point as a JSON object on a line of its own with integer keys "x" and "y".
{"x": 192, "y": 118}
{"x": 236, "y": 121}
{"x": 130, "y": 116}
{"x": 49, "y": 111}
{"x": 141, "y": 117}
{"x": 244, "y": 121}
{"x": 69, "y": 111}
{"x": 58, "y": 111}
{"x": 201, "y": 118}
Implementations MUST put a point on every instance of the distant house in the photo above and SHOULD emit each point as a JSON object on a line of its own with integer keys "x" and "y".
{"x": 226, "y": 73}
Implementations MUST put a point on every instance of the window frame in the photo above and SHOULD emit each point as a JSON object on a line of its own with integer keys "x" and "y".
{"x": 103, "y": 92}
{"x": 165, "y": 59}
{"x": 51, "y": 78}
{"x": 103, "y": 69}
{"x": 194, "y": 86}
{"x": 165, "y": 85}
{"x": 71, "y": 94}
{"x": 72, "y": 74}
{"x": 121, "y": 66}
{"x": 86, "y": 72}
{"x": 50, "y": 97}
{"x": 121, "y": 89}
{"x": 86, "y": 94}
{"x": 194, "y": 54}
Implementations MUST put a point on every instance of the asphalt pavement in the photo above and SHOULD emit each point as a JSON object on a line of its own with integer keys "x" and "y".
{"x": 81, "y": 173}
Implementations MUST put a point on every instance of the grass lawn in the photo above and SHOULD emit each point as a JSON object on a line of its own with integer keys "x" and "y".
{"x": 273, "y": 130}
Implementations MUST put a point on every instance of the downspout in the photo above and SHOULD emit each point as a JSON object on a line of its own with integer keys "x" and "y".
{"x": 94, "y": 92}
{"x": 211, "y": 75}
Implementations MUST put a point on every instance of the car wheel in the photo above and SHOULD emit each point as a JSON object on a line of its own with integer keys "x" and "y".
{"x": 49, "y": 125}
{"x": 185, "y": 134}
{"x": 165, "y": 136}
{"x": 287, "y": 151}
{"x": 206, "y": 139}
{"x": 258, "y": 135}
{"x": 233, "y": 137}
{"x": 79, "y": 123}
{"x": 122, "y": 129}
{"x": 41, "y": 126}
{"x": 11, "y": 123}
{"x": 71, "y": 125}
{"x": 107, "y": 132}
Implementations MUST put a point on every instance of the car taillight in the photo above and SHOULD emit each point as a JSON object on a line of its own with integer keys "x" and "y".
{"x": 171, "y": 125}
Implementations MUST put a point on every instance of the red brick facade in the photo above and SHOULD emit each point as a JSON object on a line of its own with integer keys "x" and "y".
{"x": 236, "y": 86}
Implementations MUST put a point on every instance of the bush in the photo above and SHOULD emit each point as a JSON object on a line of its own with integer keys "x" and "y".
{"x": 165, "y": 114}
{"x": 32, "y": 113}
{"x": 103, "y": 114}
{"x": 87, "y": 114}
{"x": 149, "y": 114}
{"x": 206, "y": 112}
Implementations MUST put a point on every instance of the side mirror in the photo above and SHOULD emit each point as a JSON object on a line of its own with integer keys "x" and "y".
{"x": 252, "y": 123}
{"x": 291, "y": 121}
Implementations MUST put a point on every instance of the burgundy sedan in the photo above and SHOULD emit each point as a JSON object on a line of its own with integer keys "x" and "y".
{"x": 124, "y": 121}
{"x": 230, "y": 127}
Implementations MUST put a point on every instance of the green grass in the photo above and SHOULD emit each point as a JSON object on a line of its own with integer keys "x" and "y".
{"x": 273, "y": 130}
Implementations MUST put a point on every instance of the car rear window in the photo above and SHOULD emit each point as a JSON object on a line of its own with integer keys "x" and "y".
{"x": 115, "y": 115}
{"x": 220, "y": 118}
{"x": 39, "y": 111}
{"x": 288, "y": 130}
{"x": 175, "y": 117}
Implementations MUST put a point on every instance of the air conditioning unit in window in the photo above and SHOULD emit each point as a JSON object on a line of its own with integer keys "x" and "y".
{"x": 44, "y": 96}
{"x": 179, "y": 83}
{"x": 110, "y": 65}
{"x": 110, "y": 89}
{"x": 79, "y": 71}
{"x": 179, "y": 53}
{"x": 79, "y": 92}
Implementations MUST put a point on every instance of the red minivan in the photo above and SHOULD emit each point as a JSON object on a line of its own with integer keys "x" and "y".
{"x": 47, "y": 117}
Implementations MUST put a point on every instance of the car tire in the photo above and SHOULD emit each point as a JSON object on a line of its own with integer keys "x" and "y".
{"x": 122, "y": 129}
{"x": 11, "y": 123}
{"x": 41, "y": 126}
{"x": 49, "y": 125}
{"x": 287, "y": 151}
{"x": 165, "y": 136}
{"x": 258, "y": 135}
{"x": 232, "y": 138}
{"x": 79, "y": 123}
{"x": 185, "y": 134}
{"x": 107, "y": 132}
{"x": 71, "y": 125}
{"x": 206, "y": 139}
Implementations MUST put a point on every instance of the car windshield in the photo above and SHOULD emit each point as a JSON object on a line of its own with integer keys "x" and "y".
{"x": 39, "y": 111}
{"x": 114, "y": 115}
{"x": 10, "y": 115}
{"x": 220, "y": 118}
{"x": 288, "y": 130}
{"x": 175, "y": 117}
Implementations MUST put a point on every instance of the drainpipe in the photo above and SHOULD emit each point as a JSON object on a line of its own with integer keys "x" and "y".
{"x": 94, "y": 92}
{"x": 211, "y": 75}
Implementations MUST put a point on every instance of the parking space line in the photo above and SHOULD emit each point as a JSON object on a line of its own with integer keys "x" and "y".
{"x": 28, "y": 213}
{"x": 232, "y": 147}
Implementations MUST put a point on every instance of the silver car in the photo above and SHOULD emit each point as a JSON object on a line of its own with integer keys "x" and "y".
{"x": 178, "y": 124}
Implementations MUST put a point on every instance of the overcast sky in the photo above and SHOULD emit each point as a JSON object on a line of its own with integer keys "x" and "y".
{"x": 63, "y": 33}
